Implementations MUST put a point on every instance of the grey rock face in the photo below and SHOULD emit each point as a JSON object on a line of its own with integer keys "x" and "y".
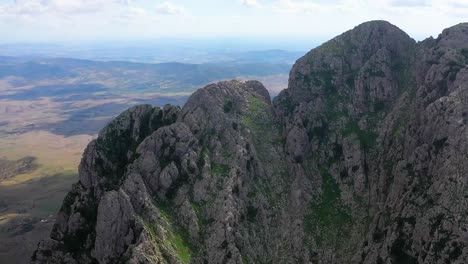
{"x": 363, "y": 159}
{"x": 79, "y": 228}
{"x": 385, "y": 145}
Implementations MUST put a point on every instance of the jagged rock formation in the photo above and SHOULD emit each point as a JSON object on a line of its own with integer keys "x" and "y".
{"x": 363, "y": 159}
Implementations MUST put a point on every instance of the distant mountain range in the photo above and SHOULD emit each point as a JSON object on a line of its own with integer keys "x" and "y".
{"x": 145, "y": 53}
{"x": 119, "y": 84}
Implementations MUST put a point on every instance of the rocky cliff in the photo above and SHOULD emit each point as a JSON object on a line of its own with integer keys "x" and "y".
{"x": 362, "y": 159}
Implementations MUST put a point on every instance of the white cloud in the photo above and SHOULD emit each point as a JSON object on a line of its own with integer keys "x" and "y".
{"x": 458, "y": 3}
{"x": 304, "y": 6}
{"x": 75, "y": 13}
{"x": 86, "y": 6}
{"x": 135, "y": 14}
{"x": 168, "y": 8}
{"x": 251, "y": 3}
{"x": 315, "y": 19}
{"x": 409, "y": 3}
{"x": 69, "y": 19}
{"x": 64, "y": 7}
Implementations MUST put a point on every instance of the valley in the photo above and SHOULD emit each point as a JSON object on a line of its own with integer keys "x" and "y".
{"x": 51, "y": 108}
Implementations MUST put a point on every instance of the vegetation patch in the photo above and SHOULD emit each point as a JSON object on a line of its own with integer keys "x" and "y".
{"x": 251, "y": 213}
{"x": 227, "y": 106}
{"x": 267, "y": 142}
{"x": 198, "y": 209}
{"x": 320, "y": 132}
{"x": 325, "y": 79}
{"x": 253, "y": 118}
{"x": 333, "y": 110}
{"x": 329, "y": 221}
{"x": 177, "y": 240}
{"x": 203, "y": 157}
{"x": 464, "y": 52}
{"x": 259, "y": 120}
{"x": 163, "y": 163}
{"x": 220, "y": 169}
{"x": 367, "y": 139}
{"x": 288, "y": 105}
{"x": 400, "y": 126}
{"x": 181, "y": 247}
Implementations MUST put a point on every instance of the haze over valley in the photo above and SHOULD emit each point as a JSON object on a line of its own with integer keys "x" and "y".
{"x": 51, "y": 108}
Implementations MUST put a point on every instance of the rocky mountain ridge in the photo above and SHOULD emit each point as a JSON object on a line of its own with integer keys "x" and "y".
{"x": 362, "y": 159}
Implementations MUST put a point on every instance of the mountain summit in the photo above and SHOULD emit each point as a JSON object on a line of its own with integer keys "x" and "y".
{"x": 362, "y": 159}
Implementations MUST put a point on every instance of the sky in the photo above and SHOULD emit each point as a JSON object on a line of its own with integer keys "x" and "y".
{"x": 318, "y": 20}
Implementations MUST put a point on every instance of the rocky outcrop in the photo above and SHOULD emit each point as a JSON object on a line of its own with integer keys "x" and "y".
{"x": 78, "y": 231}
{"x": 201, "y": 184}
{"x": 362, "y": 159}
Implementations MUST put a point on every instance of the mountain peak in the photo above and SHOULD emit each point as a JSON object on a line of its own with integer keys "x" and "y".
{"x": 382, "y": 24}
{"x": 454, "y": 37}
{"x": 372, "y": 46}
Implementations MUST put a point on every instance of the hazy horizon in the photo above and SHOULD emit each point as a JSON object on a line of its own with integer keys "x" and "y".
{"x": 281, "y": 21}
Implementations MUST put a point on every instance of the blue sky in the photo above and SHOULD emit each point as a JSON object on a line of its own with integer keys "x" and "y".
{"x": 85, "y": 20}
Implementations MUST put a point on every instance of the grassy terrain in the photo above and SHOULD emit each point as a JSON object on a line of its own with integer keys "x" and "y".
{"x": 330, "y": 220}
{"x": 39, "y": 193}
{"x": 29, "y": 201}
{"x": 174, "y": 238}
{"x": 50, "y": 109}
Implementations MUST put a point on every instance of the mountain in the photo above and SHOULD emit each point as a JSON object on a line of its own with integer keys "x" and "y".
{"x": 362, "y": 159}
{"x": 216, "y": 51}
{"x": 125, "y": 76}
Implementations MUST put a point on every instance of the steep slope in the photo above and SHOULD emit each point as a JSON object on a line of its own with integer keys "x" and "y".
{"x": 419, "y": 183}
{"x": 361, "y": 160}
{"x": 337, "y": 96}
{"x": 375, "y": 124}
